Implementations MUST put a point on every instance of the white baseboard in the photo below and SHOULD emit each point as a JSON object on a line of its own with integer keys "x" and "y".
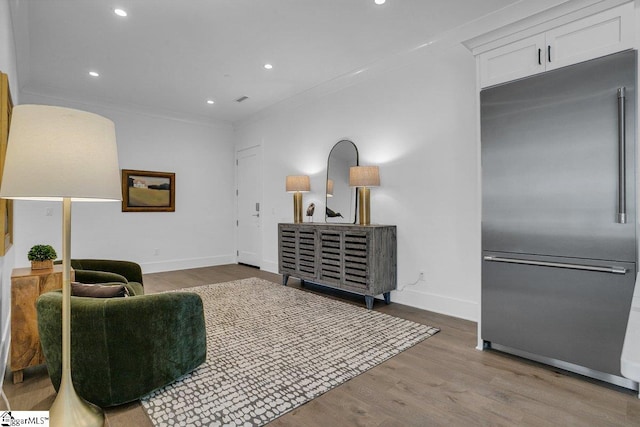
{"x": 270, "y": 266}
{"x": 185, "y": 264}
{"x": 464, "y": 309}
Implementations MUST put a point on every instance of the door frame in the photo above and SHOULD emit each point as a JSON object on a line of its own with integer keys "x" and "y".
{"x": 260, "y": 193}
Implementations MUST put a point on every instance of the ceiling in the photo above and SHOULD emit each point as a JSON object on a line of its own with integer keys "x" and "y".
{"x": 172, "y": 56}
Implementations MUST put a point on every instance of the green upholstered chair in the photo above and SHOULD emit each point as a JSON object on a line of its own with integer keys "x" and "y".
{"x": 108, "y": 271}
{"x": 123, "y": 348}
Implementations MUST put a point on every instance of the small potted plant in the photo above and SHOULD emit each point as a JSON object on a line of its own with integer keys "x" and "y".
{"x": 41, "y": 257}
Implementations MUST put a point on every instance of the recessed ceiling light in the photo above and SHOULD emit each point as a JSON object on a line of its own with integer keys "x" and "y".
{"x": 94, "y": 74}
{"x": 268, "y": 66}
{"x": 210, "y": 101}
{"x": 120, "y": 12}
{"x": 380, "y": 1}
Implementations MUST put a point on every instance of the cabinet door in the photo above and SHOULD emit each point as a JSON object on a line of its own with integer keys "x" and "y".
{"x": 306, "y": 253}
{"x": 570, "y": 315}
{"x": 287, "y": 251}
{"x": 297, "y": 252}
{"x": 331, "y": 257}
{"x": 513, "y": 61}
{"x": 592, "y": 37}
{"x": 345, "y": 259}
{"x": 356, "y": 260}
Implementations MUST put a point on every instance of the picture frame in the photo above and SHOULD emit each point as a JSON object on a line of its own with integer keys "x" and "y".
{"x": 6, "y": 205}
{"x": 148, "y": 191}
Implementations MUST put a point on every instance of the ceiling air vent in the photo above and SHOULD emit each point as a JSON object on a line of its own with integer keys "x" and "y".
{"x": 242, "y": 98}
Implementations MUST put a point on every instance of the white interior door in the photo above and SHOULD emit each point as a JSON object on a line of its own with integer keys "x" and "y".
{"x": 249, "y": 201}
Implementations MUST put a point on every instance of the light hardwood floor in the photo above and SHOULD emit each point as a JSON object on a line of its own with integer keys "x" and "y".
{"x": 443, "y": 381}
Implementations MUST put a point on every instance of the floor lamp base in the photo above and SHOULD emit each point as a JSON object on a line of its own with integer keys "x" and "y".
{"x": 71, "y": 410}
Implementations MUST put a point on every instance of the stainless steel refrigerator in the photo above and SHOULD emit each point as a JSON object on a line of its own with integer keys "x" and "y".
{"x": 559, "y": 215}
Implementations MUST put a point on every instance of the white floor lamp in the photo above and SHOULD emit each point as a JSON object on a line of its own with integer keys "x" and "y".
{"x": 57, "y": 153}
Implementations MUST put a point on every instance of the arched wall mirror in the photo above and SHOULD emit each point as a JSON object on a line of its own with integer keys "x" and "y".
{"x": 340, "y": 198}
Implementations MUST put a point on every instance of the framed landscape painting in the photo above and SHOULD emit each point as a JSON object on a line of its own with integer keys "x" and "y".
{"x": 146, "y": 191}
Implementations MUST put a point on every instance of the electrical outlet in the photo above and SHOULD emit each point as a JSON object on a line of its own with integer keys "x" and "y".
{"x": 48, "y": 212}
{"x": 421, "y": 276}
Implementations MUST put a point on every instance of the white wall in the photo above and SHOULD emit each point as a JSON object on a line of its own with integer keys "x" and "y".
{"x": 200, "y": 231}
{"x": 418, "y": 123}
{"x": 7, "y": 66}
{"x": 7, "y": 49}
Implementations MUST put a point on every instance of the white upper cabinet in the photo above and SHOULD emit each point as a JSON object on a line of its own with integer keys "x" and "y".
{"x": 608, "y": 32}
{"x": 591, "y": 37}
{"x": 513, "y": 61}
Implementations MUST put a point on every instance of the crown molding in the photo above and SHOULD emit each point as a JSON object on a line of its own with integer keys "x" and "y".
{"x": 537, "y": 23}
{"x": 133, "y": 109}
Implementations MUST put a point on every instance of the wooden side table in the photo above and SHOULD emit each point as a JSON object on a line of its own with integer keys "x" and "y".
{"x": 26, "y": 286}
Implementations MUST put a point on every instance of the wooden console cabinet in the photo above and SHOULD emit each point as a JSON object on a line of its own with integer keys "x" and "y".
{"x": 354, "y": 258}
{"x": 26, "y": 286}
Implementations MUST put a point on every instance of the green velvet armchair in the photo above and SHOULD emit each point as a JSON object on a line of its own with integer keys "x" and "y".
{"x": 93, "y": 271}
{"x": 122, "y": 348}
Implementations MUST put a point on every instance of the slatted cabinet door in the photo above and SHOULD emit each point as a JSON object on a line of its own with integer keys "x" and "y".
{"x": 356, "y": 254}
{"x": 307, "y": 252}
{"x": 297, "y": 251}
{"x": 288, "y": 250}
{"x": 331, "y": 257}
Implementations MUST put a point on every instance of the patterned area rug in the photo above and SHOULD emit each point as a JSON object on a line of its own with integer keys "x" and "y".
{"x": 270, "y": 349}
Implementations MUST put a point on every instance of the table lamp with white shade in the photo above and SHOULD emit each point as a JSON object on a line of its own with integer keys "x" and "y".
{"x": 61, "y": 154}
{"x": 364, "y": 177}
{"x": 297, "y": 184}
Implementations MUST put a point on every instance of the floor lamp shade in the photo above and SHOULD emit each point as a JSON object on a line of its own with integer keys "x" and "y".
{"x": 56, "y": 152}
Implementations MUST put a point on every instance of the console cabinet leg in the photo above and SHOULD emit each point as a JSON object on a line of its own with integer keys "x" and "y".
{"x": 387, "y": 297}
{"x": 368, "y": 299}
{"x": 17, "y": 376}
{"x": 285, "y": 279}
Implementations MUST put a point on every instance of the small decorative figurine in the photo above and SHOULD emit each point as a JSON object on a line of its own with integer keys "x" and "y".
{"x": 332, "y": 214}
{"x": 310, "y": 210}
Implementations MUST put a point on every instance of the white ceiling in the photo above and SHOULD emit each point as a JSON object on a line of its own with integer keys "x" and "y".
{"x": 173, "y": 55}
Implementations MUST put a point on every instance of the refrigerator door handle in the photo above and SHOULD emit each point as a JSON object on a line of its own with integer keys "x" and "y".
{"x": 612, "y": 269}
{"x": 622, "y": 168}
